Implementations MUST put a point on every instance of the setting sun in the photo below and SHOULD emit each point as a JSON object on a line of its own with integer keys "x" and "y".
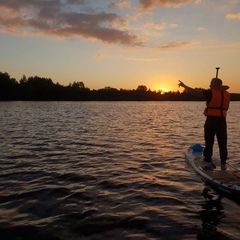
{"x": 162, "y": 90}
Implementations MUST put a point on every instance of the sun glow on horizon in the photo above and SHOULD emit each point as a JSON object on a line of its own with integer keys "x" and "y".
{"x": 162, "y": 90}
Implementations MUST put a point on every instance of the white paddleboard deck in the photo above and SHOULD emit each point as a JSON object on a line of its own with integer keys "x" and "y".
{"x": 227, "y": 181}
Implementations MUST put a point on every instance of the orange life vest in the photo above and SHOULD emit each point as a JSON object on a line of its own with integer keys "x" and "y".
{"x": 219, "y": 103}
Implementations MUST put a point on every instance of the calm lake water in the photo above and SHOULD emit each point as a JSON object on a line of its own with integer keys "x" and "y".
{"x": 109, "y": 170}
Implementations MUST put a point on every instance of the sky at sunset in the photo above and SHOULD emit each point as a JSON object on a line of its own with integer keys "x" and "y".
{"x": 122, "y": 43}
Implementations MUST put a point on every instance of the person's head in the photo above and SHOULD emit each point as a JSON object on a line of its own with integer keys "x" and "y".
{"x": 215, "y": 83}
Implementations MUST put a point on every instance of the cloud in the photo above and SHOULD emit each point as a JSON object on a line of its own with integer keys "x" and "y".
{"x": 143, "y": 59}
{"x": 52, "y": 18}
{"x": 201, "y": 29}
{"x": 120, "y": 4}
{"x": 18, "y": 4}
{"x": 98, "y": 56}
{"x": 173, "y": 25}
{"x": 176, "y": 45}
{"x": 154, "y": 26}
{"x": 75, "y": 1}
{"x": 232, "y": 16}
{"x": 150, "y": 4}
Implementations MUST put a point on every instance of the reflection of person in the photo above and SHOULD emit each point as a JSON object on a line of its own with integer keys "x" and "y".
{"x": 217, "y": 103}
{"x": 211, "y": 214}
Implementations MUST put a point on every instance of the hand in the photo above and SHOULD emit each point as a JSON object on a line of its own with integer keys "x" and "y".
{"x": 181, "y": 84}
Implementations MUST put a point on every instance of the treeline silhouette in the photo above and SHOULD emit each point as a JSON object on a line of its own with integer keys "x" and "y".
{"x": 43, "y": 89}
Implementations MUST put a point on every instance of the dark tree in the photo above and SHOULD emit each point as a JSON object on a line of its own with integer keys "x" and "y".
{"x": 142, "y": 88}
{"x": 9, "y": 89}
{"x": 43, "y": 89}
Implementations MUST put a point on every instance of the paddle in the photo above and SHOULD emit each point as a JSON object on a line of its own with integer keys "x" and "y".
{"x": 217, "y": 68}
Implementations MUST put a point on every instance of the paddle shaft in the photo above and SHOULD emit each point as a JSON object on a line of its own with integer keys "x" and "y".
{"x": 217, "y": 68}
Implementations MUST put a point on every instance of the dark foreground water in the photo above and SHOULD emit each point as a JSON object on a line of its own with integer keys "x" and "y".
{"x": 109, "y": 170}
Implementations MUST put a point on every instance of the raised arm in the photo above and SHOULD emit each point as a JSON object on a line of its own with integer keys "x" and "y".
{"x": 192, "y": 91}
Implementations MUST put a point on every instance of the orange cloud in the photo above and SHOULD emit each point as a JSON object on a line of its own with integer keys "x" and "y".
{"x": 232, "y": 16}
{"x": 154, "y": 26}
{"x": 201, "y": 29}
{"x": 143, "y": 59}
{"x": 98, "y": 56}
{"x": 176, "y": 45}
{"x": 150, "y": 4}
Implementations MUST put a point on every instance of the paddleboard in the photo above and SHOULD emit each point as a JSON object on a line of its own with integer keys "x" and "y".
{"x": 226, "y": 182}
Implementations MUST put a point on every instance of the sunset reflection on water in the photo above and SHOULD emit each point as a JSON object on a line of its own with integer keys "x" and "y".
{"x": 97, "y": 169}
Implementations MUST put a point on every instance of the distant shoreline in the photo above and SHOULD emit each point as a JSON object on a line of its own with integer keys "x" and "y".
{"x": 43, "y": 89}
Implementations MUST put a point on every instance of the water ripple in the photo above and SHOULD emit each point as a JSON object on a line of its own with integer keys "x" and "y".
{"x": 108, "y": 170}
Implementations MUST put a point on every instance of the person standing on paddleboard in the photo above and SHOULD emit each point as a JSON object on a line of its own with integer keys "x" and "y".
{"x": 217, "y": 103}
